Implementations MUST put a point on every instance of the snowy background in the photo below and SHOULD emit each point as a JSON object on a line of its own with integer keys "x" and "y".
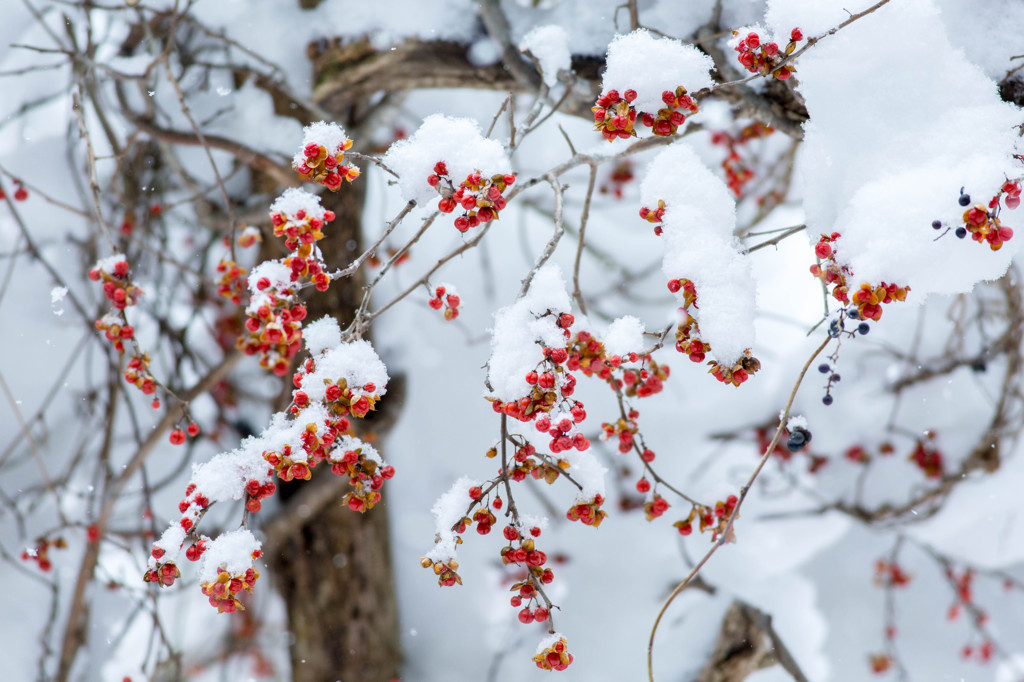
{"x": 904, "y": 113}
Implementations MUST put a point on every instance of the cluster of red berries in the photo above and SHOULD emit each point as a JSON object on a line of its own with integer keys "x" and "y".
{"x": 250, "y": 236}
{"x": 300, "y": 229}
{"x": 275, "y": 330}
{"x": 666, "y": 121}
{"x": 445, "y": 296}
{"x": 927, "y": 458}
{"x": 232, "y": 283}
{"x": 162, "y": 573}
{"x": 340, "y": 399}
{"x": 890, "y": 574}
{"x": 274, "y": 326}
{"x": 586, "y": 354}
{"x": 325, "y": 166}
{"x": 481, "y": 198}
{"x": 523, "y": 551}
{"x": 117, "y": 286}
{"x": 737, "y": 172}
{"x": 654, "y": 216}
{"x": 446, "y": 571}
{"x": 196, "y": 549}
{"x": 615, "y": 116}
{"x": 327, "y": 441}
{"x": 256, "y": 492}
{"x": 365, "y": 476}
{"x": 589, "y": 513}
{"x": 115, "y": 329}
{"x": 20, "y": 194}
{"x": 137, "y": 374}
{"x": 868, "y": 299}
{"x": 622, "y": 430}
{"x": 554, "y": 657}
{"x": 764, "y": 58}
{"x": 689, "y": 343}
{"x": 224, "y": 591}
{"x": 177, "y": 436}
{"x": 622, "y": 174}
{"x": 983, "y": 224}
{"x": 655, "y": 507}
{"x": 715, "y": 519}
{"x": 551, "y": 384}
{"x": 41, "y": 552}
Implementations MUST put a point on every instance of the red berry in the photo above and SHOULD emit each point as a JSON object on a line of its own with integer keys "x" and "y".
{"x": 193, "y": 429}
{"x": 643, "y": 485}
{"x": 823, "y": 250}
{"x": 796, "y": 35}
{"x": 20, "y": 194}
{"x": 177, "y": 437}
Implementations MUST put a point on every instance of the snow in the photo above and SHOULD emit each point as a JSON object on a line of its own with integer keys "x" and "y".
{"x": 879, "y": 175}
{"x": 353, "y": 444}
{"x": 293, "y": 200}
{"x": 280, "y": 278}
{"x": 231, "y": 551}
{"x": 448, "y": 510}
{"x": 518, "y": 328}
{"x": 651, "y": 65}
{"x": 356, "y": 362}
{"x": 322, "y": 335}
{"x": 549, "y": 45}
{"x": 457, "y": 142}
{"x": 699, "y": 246}
{"x": 625, "y": 335}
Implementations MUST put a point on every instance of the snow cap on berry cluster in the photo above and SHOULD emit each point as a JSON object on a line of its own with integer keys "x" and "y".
{"x": 519, "y": 327}
{"x": 625, "y": 335}
{"x": 700, "y": 216}
{"x": 348, "y": 443}
{"x": 170, "y": 542}
{"x": 549, "y": 45}
{"x": 223, "y": 478}
{"x": 448, "y": 510}
{"x": 455, "y": 141}
{"x": 356, "y": 362}
{"x": 280, "y": 277}
{"x": 322, "y": 335}
{"x": 327, "y": 135}
{"x": 293, "y": 200}
{"x": 109, "y": 263}
{"x": 549, "y": 641}
{"x": 650, "y": 65}
{"x": 231, "y": 551}
{"x": 880, "y": 174}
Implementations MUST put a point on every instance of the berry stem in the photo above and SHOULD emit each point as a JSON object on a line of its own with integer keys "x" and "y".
{"x": 735, "y": 512}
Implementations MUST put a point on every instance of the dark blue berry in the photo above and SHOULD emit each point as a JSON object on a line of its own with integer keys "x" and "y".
{"x": 836, "y": 377}
{"x": 936, "y": 224}
{"x": 853, "y": 313}
{"x": 961, "y": 232}
{"x": 863, "y": 328}
{"x": 827, "y": 399}
{"x": 964, "y": 199}
{"x": 798, "y": 439}
{"x": 824, "y": 368}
